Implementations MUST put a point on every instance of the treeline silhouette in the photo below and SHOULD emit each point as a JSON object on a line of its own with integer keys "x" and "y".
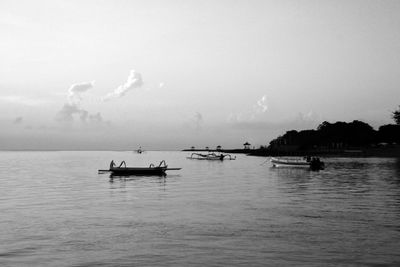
{"x": 338, "y": 136}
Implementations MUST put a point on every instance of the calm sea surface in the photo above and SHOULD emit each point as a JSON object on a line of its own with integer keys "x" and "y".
{"x": 56, "y": 210}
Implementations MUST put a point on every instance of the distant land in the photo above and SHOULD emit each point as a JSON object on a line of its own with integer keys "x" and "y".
{"x": 339, "y": 139}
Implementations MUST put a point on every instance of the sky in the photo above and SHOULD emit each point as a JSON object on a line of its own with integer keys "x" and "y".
{"x": 168, "y": 75}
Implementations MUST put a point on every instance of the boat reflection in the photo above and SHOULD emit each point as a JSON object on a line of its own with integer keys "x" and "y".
{"x": 160, "y": 179}
{"x": 138, "y": 175}
{"x": 290, "y": 172}
{"x": 135, "y": 176}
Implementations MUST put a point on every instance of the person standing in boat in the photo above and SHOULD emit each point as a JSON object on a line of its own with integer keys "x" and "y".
{"x": 112, "y": 164}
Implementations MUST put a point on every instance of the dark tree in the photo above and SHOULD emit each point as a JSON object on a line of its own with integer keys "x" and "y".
{"x": 338, "y": 135}
{"x": 389, "y": 133}
{"x": 396, "y": 116}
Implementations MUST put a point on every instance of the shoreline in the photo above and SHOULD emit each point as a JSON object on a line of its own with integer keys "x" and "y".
{"x": 392, "y": 151}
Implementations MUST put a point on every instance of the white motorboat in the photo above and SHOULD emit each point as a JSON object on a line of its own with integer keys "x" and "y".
{"x": 313, "y": 163}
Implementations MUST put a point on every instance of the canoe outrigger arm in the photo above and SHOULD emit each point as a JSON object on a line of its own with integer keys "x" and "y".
{"x": 122, "y": 163}
{"x": 162, "y": 164}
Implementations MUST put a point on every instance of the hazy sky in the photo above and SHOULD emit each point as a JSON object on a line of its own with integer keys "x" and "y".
{"x": 172, "y": 74}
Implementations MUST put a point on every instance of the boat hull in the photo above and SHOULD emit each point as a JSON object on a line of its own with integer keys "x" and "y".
{"x": 289, "y": 162}
{"x": 290, "y": 165}
{"x": 313, "y": 164}
{"x": 138, "y": 171}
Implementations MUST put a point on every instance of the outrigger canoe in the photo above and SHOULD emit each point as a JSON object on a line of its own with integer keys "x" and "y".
{"x": 211, "y": 156}
{"x": 122, "y": 170}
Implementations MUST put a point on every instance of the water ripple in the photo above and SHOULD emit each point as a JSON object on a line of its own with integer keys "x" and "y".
{"x": 58, "y": 211}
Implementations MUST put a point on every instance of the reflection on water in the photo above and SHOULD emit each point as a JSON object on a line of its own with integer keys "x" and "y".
{"x": 138, "y": 179}
{"x": 397, "y": 169}
{"x": 231, "y": 213}
{"x": 292, "y": 179}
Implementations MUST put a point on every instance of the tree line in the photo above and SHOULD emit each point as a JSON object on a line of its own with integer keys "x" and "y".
{"x": 340, "y": 135}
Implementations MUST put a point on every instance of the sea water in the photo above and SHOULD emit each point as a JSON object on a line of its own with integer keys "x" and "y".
{"x": 56, "y": 210}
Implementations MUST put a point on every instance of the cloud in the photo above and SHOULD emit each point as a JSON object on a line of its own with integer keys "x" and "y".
{"x": 18, "y": 120}
{"x": 300, "y": 122}
{"x": 194, "y": 122}
{"x": 96, "y": 118}
{"x": 77, "y": 89}
{"x": 134, "y": 81}
{"x": 68, "y": 110}
{"x": 255, "y": 119}
{"x": 262, "y": 104}
{"x": 252, "y": 113}
{"x": 310, "y": 116}
{"x": 73, "y": 108}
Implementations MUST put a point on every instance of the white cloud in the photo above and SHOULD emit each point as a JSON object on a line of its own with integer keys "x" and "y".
{"x": 73, "y": 107}
{"x": 77, "y": 89}
{"x": 134, "y": 81}
{"x": 262, "y": 104}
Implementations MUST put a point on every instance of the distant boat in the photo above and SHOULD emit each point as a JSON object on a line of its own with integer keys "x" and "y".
{"x": 211, "y": 156}
{"x": 123, "y": 170}
{"x": 313, "y": 163}
{"x": 139, "y": 151}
